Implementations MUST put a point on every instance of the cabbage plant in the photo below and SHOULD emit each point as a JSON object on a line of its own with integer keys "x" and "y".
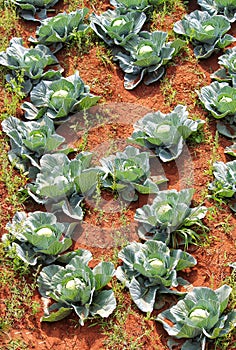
{"x": 227, "y": 72}
{"x": 60, "y": 29}
{"x": 30, "y": 140}
{"x": 128, "y": 172}
{"x": 206, "y": 32}
{"x": 62, "y": 183}
{"x": 57, "y": 99}
{"x": 226, "y": 8}
{"x": 150, "y": 270}
{"x": 76, "y": 287}
{"x": 165, "y": 133}
{"x": 199, "y": 317}
{"x": 219, "y": 99}
{"x": 117, "y": 28}
{"x": 147, "y": 53}
{"x": 34, "y": 10}
{"x": 169, "y": 218}
{"x": 38, "y": 238}
{"x": 224, "y": 185}
{"x": 30, "y": 63}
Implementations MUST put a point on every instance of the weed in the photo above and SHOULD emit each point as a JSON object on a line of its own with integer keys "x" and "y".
{"x": 14, "y": 280}
{"x": 114, "y": 329}
{"x": 13, "y": 95}
{"x": 215, "y": 155}
{"x": 82, "y": 42}
{"x": 168, "y": 91}
{"x": 14, "y": 182}
{"x": 104, "y": 55}
{"x": 9, "y": 21}
{"x": 16, "y": 344}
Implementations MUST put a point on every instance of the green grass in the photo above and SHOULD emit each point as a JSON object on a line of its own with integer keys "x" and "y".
{"x": 13, "y": 182}
{"x": 9, "y": 20}
{"x": 18, "y": 283}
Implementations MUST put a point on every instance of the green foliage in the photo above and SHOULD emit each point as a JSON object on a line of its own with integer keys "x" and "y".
{"x": 78, "y": 288}
{"x": 227, "y": 8}
{"x": 148, "y": 53}
{"x": 30, "y": 140}
{"x": 116, "y": 27}
{"x": 34, "y": 10}
{"x": 62, "y": 182}
{"x": 29, "y": 64}
{"x": 227, "y": 72}
{"x": 165, "y": 133}
{"x": 205, "y": 32}
{"x": 199, "y": 317}
{"x": 128, "y": 172}
{"x": 58, "y": 29}
{"x": 150, "y": 269}
{"x": 38, "y": 238}
{"x": 57, "y": 99}
{"x": 169, "y": 218}
{"x": 224, "y": 185}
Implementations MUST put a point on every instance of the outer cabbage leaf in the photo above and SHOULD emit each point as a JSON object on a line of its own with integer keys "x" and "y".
{"x": 231, "y": 150}
{"x": 60, "y": 28}
{"x": 128, "y": 172}
{"x": 79, "y": 288}
{"x": 220, "y": 7}
{"x": 62, "y": 183}
{"x": 147, "y": 54}
{"x": 227, "y": 72}
{"x": 227, "y": 127}
{"x": 31, "y": 62}
{"x": 219, "y": 99}
{"x": 38, "y": 238}
{"x": 150, "y": 269}
{"x": 224, "y": 185}
{"x": 59, "y": 98}
{"x": 199, "y": 316}
{"x": 30, "y": 140}
{"x": 169, "y": 218}
{"x": 205, "y": 32}
{"x": 34, "y": 10}
{"x": 165, "y": 133}
{"x": 117, "y": 28}
{"x": 138, "y": 5}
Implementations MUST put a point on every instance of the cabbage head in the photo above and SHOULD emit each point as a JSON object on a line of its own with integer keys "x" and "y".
{"x": 62, "y": 183}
